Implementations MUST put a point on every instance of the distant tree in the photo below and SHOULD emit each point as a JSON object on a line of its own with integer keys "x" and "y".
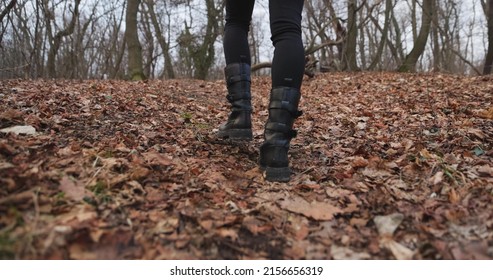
{"x": 411, "y": 59}
{"x": 165, "y": 46}
{"x": 134, "y": 47}
{"x": 488, "y": 64}
{"x": 55, "y": 39}
{"x": 349, "y": 58}
{"x": 386, "y": 27}
{"x": 203, "y": 54}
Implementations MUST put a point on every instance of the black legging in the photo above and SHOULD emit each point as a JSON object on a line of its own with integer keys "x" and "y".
{"x": 285, "y": 24}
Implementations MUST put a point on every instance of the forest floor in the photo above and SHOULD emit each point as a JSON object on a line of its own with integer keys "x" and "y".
{"x": 385, "y": 166}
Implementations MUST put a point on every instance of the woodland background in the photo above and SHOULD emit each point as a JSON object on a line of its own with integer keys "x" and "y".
{"x": 139, "y": 39}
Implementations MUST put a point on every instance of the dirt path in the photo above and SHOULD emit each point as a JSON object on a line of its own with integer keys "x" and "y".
{"x": 386, "y": 166}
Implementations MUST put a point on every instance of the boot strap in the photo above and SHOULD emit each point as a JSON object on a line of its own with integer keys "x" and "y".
{"x": 235, "y": 96}
{"x": 238, "y": 78}
{"x": 283, "y": 143}
{"x": 282, "y": 128}
{"x": 286, "y": 105}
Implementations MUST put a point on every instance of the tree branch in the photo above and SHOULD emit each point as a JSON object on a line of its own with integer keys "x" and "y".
{"x": 9, "y": 7}
{"x": 323, "y": 45}
{"x": 466, "y": 61}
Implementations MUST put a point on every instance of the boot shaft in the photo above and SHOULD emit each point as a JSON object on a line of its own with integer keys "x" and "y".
{"x": 283, "y": 110}
{"x": 239, "y": 123}
{"x": 238, "y": 82}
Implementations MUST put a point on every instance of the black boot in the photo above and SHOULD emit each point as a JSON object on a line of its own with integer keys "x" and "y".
{"x": 239, "y": 123}
{"x": 283, "y": 110}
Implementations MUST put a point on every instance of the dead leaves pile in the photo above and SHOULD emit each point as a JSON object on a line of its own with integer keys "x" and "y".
{"x": 387, "y": 166}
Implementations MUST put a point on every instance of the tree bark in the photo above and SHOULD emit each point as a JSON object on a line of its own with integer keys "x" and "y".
{"x": 350, "y": 62}
{"x": 488, "y": 64}
{"x": 436, "y": 47}
{"x": 409, "y": 64}
{"x": 134, "y": 47}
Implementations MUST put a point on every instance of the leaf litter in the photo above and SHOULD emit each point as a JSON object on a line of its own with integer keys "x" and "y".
{"x": 386, "y": 166}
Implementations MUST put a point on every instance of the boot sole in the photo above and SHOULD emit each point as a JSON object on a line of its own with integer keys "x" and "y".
{"x": 236, "y": 134}
{"x": 277, "y": 174}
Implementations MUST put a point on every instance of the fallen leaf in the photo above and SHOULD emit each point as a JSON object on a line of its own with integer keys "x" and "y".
{"x": 157, "y": 158}
{"x": 166, "y": 226}
{"x": 486, "y": 171}
{"x": 299, "y": 227}
{"x": 321, "y": 211}
{"x": 345, "y": 253}
{"x": 6, "y": 165}
{"x": 386, "y": 225}
{"x": 436, "y": 179}
{"x": 359, "y": 162}
{"x": 453, "y": 196}
{"x": 228, "y": 233}
{"x": 487, "y": 114}
{"x": 399, "y": 251}
{"x": 21, "y": 129}
{"x": 255, "y": 226}
{"x": 297, "y": 251}
{"x": 207, "y": 224}
{"x": 72, "y": 189}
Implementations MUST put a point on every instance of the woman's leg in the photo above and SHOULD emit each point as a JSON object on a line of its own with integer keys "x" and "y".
{"x": 237, "y": 70}
{"x": 288, "y": 64}
{"x": 287, "y": 74}
{"x": 238, "y": 18}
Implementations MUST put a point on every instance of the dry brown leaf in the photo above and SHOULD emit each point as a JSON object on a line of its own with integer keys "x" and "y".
{"x": 157, "y": 158}
{"x": 399, "y": 251}
{"x": 386, "y": 225}
{"x": 437, "y": 178}
{"x": 255, "y": 226}
{"x": 228, "y": 233}
{"x": 166, "y": 226}
{"x": 345, "y": 253}
{"x": 297, "y": 251}
{"x": 72, "y": 188}
{"x": 487, "y": 114}
{"x": 453, "y": 196}
{"x": 485, "y": 170}
{"x": 321, "y": 211}
{"x": 207, "y": 224}
{"x": 359, "y": 162}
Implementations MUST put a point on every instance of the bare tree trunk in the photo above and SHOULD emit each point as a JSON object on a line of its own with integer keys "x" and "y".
{"x": 56, "y": 40}
{"x": 114, "y": 54}
{"x": 148, "y": 44}
{"x": 488, "y": 64}
{"x": 385, "y": 31}
{"x": 414, "y": 21}
{"x": 350, "y": 62}
{"x": 409, "y": 63}
{"x": 134, "y": 47}
{"x": 341, "y": 33}
{"x": 203, "y": 56}
{"x": 364, "y": 42}
{"x": 435, "y": 34}
{"x": 398, "y": 39}
{"x": 168, "y": 64}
